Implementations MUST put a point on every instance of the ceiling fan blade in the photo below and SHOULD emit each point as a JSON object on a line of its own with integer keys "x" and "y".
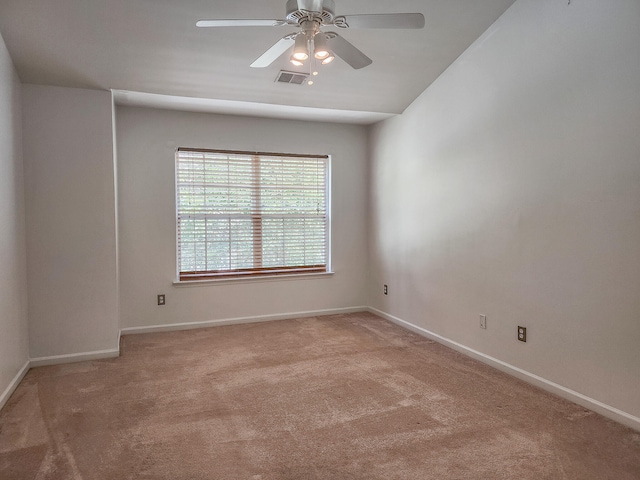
{"x": 347, "y": 51}
{"x": 383, "y": 20}
{"x": 310, "y": 5}
{"x": 268, "y": 57}
{"x": 240, "y": 23}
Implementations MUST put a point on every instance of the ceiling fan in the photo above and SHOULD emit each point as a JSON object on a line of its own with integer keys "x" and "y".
{"x": 311, "y": 16}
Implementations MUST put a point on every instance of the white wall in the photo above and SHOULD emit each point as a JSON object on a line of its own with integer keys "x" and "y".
{"x": 511, "y": 188}
{"x": 71, "y": 236}
{"x": 14, "y": 341}
{"x": 147, "y": 139}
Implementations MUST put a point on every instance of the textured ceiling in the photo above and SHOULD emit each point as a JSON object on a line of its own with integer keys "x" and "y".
{"x": 153, "y": 46}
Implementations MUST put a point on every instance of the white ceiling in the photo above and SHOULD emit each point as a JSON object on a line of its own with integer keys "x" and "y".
{"x": 152, "y": 53}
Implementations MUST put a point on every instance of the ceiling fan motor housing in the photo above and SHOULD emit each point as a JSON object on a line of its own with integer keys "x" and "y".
{"x": 321, "y": 11}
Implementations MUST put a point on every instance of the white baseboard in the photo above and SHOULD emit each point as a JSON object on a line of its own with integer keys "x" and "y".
{"x": 4, "y": 398}
{"x": 238, "y": 320}
{"x": 75, "y": 357}
{"x": 564, "y": 392}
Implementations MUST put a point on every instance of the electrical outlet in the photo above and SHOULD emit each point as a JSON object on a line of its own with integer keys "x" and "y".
{"x": 161, "y": 300}
{"x": 386, "y": 290}
{"x": 483, "y": 321}
{"x": 522, "y": 334}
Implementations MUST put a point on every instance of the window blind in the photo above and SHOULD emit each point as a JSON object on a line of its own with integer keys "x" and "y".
{"x": 243, "y": 214}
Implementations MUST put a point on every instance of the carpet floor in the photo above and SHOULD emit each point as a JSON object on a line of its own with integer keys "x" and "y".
{"x": 337, "y": 397}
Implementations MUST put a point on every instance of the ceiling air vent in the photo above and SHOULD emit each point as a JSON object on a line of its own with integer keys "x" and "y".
{"x": 291, "y": 77}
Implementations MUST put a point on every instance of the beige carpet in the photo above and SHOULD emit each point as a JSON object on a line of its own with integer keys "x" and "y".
{"x": 338, "y": 397}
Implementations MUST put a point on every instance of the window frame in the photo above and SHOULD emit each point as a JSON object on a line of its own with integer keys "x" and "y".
{"x": 265, "y": 273}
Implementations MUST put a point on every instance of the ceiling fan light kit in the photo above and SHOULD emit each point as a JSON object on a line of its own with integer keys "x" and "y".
{"x": 304, "y": 45}
{"x": 312, "y": 15}
{"x": 301, "y": 48}
{"x": 296, "y": 62}
{"x": 320, "y": 49}
{"x": 329, "y": 59}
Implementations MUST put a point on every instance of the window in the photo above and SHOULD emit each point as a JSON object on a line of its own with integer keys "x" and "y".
{"x": 247, "y": 214}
